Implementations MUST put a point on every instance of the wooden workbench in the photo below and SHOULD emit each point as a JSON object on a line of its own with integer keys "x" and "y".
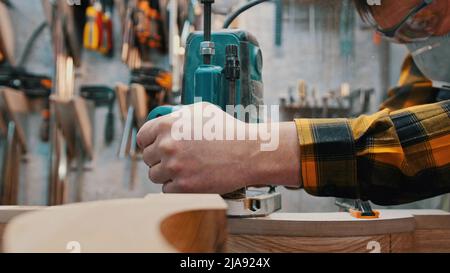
{"x": 395, "y": 231}
{"x": 198, "y": 223}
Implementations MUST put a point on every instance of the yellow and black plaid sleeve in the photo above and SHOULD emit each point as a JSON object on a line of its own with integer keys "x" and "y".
{"x": 392, "y": 157}
{"x": 413, "y": 88}
{"x": 389, "y": 157}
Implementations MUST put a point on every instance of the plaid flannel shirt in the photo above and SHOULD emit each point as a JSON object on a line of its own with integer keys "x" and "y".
{"x": 398, "y": 155}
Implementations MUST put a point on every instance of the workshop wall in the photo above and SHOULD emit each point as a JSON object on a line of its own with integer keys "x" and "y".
{"x": 107, "y": 176}
{"x": 309, "y": 52}
{"x": 110, "y": 177}
{"x": 311, "y": 49}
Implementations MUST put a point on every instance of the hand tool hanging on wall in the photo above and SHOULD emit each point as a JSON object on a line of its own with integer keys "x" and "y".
{"x": 148, "y": 31}
{"x": 142, "y": 23}
{"x": 14, "y": 104}
{"x": 175, "y": 44}
{"x": 102, "y": 96}
{"x": 347, "y": 29}
{"x": 302, "y": 89}
{"x": 7, "y": 39}
{"x": 18, "y": 78}
{"x": 2, "y": 55}
{"x": 93, "y": 28}
{"x": 34, "y": 86}
{"x": 130, "y": 53}
{"x": 157, "y": 84}
{"x": 161, "y": 26}
{"x": 98, "y": 30}
{"x": 107, "y": 42}
{"x": 70, "y": 125}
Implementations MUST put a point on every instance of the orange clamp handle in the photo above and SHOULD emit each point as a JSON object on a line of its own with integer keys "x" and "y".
{"x": 358, "y": 214}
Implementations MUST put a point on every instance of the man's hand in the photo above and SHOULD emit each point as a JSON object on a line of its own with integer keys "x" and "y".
{"x": 215, "y": 165}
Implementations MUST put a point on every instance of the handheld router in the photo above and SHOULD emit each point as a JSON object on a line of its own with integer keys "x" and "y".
{"x": 225, "y": 68}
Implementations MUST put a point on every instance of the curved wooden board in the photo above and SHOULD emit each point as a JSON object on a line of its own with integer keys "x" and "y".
{"x": 153, "y": 224}
{"x": 7, "y": 213}
{"x": 7, "y": 40}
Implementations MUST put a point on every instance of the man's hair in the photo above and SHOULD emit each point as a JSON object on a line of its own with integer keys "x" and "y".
{"x": 363, "y": 8}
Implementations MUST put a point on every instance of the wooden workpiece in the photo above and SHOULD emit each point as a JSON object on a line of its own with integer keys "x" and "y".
{"x": 197, "y": 223}
{"x": 158, "y": 223}
{"x": 7, "y": 213}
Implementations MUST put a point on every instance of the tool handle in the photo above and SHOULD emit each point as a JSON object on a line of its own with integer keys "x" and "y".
{"x": 109, "y": 126}
{"x": 162, "y": 111}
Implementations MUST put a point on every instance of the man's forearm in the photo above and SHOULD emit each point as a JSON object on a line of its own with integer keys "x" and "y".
{"x": 281, "y": 166}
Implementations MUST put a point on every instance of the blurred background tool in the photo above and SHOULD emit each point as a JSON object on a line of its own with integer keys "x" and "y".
{"x": 93, "y": 29}
{"x": 98, "y": 32}
{"x": 102, "y": 96}
{"x": 157, "y": 83}
{"x": 7, "y": 37}
{"x": 341, "y": 102}
{"x": 14, "y": 105}
{"x": 71, "y": 130}
{"x": 107, "y": 42}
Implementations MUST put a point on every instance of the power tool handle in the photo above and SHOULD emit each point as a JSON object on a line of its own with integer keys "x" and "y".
{"x": 162, "y": 111}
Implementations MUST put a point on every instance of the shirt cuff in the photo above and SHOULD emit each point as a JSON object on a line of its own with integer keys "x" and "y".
{"x": 327, "y": 157}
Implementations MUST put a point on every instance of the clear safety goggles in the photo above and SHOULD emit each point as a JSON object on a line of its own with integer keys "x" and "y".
{"x": 421, "y": 22}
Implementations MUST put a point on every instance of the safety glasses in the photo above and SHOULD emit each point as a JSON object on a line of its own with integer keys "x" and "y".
{"x": 418, "y": 25}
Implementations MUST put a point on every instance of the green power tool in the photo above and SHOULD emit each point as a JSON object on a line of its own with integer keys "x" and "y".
{"x": 225, "y": 68}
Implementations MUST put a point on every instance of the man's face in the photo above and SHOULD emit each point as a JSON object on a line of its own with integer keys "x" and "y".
{"x": 391, "y": 12}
